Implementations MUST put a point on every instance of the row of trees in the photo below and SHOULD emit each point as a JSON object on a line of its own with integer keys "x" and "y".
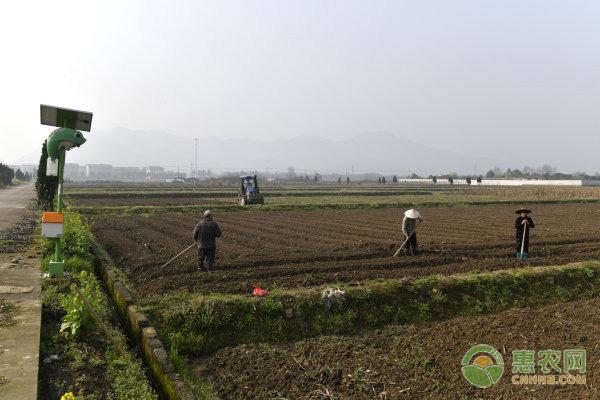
{"x": 23, "y": 176}
{"x": 7, "y": 174}
{"x": 543, "y": 172}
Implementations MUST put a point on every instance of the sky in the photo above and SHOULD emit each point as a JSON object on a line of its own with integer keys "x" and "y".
{"x": 512, "y": 80}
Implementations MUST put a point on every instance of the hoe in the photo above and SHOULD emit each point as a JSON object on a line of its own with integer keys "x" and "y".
{"x": 403, "y": 244}
{"x": 177, "y": 256}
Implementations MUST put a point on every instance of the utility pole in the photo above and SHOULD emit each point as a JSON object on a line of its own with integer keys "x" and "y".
{"x": 196, "y": 142}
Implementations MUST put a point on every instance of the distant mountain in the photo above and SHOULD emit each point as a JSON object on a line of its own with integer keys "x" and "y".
{"x": 367, "y": 152}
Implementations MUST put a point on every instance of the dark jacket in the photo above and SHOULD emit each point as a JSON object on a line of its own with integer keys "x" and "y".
{"x": 206, "y": 232}
{"x": 409, "y": 225}
{"x": 519, "y": 226}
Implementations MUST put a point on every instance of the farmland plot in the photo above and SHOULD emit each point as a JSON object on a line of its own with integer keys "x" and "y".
{"x": 304, "y": 249}
{"x": 415, "y": 361}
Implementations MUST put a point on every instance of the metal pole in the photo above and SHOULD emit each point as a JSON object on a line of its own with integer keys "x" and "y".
{"x": 61, "y": 167}
{"x": 196, "y": 174}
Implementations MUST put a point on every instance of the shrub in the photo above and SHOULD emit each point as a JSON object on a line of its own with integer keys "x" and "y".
{"x": 45, "y": 186}
{"x": 78, "y": 320}
{"x": 6, "y": 175}
{"x": 76, "y": 241}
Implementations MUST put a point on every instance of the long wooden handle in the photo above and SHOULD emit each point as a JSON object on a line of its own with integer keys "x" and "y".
{"x": 523, "y": 239}
{"x": 178, "y": 255}
{"x": 403, "y": 244}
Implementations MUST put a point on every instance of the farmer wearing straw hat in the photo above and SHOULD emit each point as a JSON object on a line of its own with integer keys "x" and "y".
{"x": 523, "y": 224}
{"x": 409, "y": 228}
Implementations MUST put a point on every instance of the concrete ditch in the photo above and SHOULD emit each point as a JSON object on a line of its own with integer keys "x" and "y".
{"x": 154, "y": 353}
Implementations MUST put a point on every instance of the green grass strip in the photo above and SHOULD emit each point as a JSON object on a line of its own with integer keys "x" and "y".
{"x": 193, "y": 325}
{"x": 185, "y": 209}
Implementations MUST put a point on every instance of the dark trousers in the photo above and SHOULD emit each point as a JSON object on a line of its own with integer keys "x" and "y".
{"x": 411, "y": 245}
{"x": 208, "y": 254}
{"x": 519, "y": 241}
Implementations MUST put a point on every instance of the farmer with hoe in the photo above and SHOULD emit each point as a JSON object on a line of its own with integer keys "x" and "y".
{"x": 205, "y": 234}
{"x": 523, "y": 224}
{"x": 409, "y": 227}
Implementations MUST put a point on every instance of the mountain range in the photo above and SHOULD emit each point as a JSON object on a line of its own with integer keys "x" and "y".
{"x": 368, "y": 152}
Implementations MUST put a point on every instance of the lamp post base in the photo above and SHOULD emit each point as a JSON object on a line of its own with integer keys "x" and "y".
{"x": 56, "y": 269}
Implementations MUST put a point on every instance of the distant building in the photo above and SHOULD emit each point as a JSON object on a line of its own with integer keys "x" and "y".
{"x": 159, "y": 174}
{"x": 101, "y": 172}
{"x": 154, "y": 170}
{"x": 31, "y": 168}
{"x": 127, "y": 174}
{"x": 74, "y": 172}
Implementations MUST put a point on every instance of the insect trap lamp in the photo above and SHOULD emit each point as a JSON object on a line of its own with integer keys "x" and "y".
{"x": 68, "y": 135}
{"x": 70, "y": 123}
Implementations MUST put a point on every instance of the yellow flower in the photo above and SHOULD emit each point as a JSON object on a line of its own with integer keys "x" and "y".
{"x": 68, "y": 396}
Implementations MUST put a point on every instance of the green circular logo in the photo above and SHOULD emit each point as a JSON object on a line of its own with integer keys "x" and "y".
{"x": 482, "y": 366}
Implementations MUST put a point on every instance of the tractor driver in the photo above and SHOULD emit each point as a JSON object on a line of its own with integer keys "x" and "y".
{"x": 205, "y": 234}
{"x": 249, "y": 188}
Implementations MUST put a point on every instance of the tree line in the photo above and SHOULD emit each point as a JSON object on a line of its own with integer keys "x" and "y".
{"x": 7, "y": 174}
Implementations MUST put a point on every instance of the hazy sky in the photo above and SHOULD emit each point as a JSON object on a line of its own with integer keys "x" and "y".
{"x": 472, "y": 76}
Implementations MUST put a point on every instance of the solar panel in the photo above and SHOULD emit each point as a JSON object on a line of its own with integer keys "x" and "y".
{"x": 65, "y": 118}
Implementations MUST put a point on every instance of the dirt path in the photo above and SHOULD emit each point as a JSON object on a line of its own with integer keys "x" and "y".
{"x": 20, "y": 297}
{"x": 14, "y": 202}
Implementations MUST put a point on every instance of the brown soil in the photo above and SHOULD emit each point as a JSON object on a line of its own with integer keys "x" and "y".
{"x": 8, "y": 311}
{"x": 17, "y": 237}
{"x": 412, "y": 361}
{"x": 301, "y": 249}
{"x": 82, "y": 372}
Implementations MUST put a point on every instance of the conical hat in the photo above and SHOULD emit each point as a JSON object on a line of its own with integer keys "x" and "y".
{"x": 522, "y": 210}
{"x": 412, "y": 213}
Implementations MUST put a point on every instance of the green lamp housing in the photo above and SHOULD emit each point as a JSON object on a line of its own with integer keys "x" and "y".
{"x": 63, "y": 138}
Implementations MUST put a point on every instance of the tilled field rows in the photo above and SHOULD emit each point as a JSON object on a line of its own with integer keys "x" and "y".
{"x": 410, "y": 361}
{"x": 299, "y": 249}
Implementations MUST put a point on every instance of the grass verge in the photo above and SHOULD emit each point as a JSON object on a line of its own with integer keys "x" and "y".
{"x": 87, "y": 365}
{"x": 151, "y": 210}
{"x": 193, "y": 325}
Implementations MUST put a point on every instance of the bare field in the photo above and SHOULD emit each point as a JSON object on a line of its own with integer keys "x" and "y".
{"x": 416, "y": 361}
{"x": 312, "y": 248}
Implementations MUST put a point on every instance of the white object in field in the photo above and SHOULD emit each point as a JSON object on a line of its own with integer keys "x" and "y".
{"x": 504, "y": 182}
{"x": 51, "y": 167}
{"x": 52, "y": 230}
{"x": 333, "y": 297}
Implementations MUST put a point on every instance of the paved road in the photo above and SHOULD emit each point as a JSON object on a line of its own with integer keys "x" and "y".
{"x": 20, "y": 286}
{"x": 14, "y": 202}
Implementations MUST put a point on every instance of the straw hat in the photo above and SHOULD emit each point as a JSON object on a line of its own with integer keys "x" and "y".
{"x": 412, "y": 214}
{"x": 522, "y": 210}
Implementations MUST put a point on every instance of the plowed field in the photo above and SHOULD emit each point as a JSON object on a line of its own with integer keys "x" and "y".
{"x": 411, "y": 361}
{"x": 301, "y": 249}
